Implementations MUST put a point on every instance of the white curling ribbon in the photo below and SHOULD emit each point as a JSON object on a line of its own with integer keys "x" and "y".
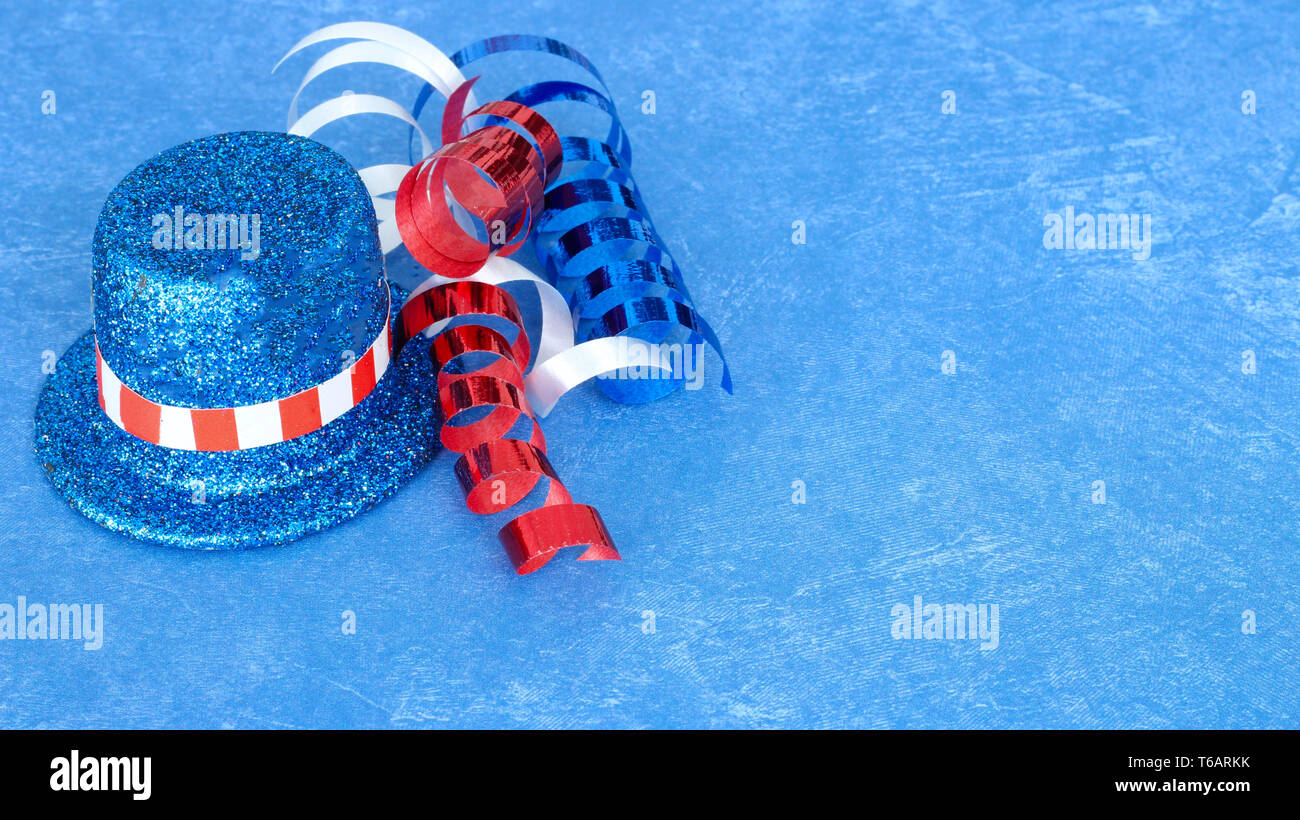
{"x": 349, "y": 105}
{"x": 366, "y": 51}
{"x": 390, "y": 239}
{"x": 385, "y": 209}
{"x": 383, "y": 179}
{"x": 559, "y": 374}
{"x": 439, "y": 65}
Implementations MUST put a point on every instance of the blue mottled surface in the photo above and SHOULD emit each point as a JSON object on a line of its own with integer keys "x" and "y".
{"x": 924, "y": 235}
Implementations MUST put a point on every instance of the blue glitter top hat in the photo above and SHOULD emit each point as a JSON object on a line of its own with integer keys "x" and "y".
{"x": 233, "y": 273}
{"x": 237, "y": 269}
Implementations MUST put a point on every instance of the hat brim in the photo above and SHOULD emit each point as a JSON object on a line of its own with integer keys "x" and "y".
{"x": 239, "y": 499}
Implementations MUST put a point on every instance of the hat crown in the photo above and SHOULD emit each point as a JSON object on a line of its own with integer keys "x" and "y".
{"x": 237, "y": 269}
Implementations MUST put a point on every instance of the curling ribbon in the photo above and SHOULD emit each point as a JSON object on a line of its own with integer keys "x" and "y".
{"x": 494, "y": 173}
{"x": 496, "y": 469}
{"x": 624, "y": 307}
{"x": 497, "y": 175}
{"x": 598, "y": 243}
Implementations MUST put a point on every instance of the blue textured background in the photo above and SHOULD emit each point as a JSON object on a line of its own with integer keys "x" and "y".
{"x": 924, "y": 235}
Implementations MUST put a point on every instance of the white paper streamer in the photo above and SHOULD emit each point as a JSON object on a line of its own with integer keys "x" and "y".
{"x": 437, "y": 63}
{"x": 350, "y": 105}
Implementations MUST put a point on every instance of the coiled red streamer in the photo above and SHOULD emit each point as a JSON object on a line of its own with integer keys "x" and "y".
{"x": 496, "y": 470}
{"x": 497, "y": 174}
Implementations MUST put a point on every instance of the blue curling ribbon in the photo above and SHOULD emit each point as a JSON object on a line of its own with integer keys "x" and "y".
{"x": 596, "y": 238}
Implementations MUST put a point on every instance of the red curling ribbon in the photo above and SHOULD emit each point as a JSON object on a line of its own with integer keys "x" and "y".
{"x": 495, "y": 173}
{"x": 518, "y": 465}
{"x": 534, "y": 537}
{"x": 474, "y": 392}
{"x": 549, "y": 153}
{"x": 498, "y": 175}
{"x": 438, "y": 306}
{"x": 497, "y": 469}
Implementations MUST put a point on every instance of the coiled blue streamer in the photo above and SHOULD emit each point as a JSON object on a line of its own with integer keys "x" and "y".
{"x": 596, "y": 238}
